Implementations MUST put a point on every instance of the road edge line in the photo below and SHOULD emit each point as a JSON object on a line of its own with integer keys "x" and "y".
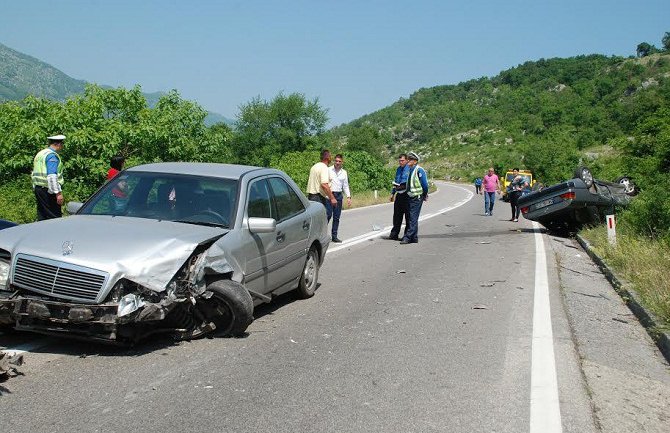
{"x": 545, "y": 411}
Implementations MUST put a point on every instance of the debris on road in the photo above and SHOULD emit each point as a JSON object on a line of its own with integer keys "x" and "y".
{"x": 483, "y": 242}
{"x": 8, "y": 364}
{"x": 480, "y": 307}
{"x": 487, "y": 284}
{"x": 376, "y": 227}
{"x": 401, "y": 271}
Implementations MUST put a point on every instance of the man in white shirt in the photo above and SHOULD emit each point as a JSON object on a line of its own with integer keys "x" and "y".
{"x": 339, "y": 184}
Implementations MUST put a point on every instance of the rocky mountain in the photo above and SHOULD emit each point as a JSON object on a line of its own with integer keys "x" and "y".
{"x": 22, "y": 75}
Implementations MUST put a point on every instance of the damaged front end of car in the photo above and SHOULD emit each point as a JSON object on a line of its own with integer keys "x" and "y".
{"x": 130, "y": 311}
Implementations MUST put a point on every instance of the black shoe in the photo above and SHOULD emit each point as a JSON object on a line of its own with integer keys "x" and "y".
{"x": 393, "y": 238}
{"x": 404, "y": 242}
{"x": 336, "y": 240}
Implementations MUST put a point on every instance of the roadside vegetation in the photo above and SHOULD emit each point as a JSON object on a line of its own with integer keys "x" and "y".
{"x": 643, "y": 262}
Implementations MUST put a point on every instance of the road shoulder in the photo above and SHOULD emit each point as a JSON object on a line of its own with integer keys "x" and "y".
{"x": 627, "y": 377}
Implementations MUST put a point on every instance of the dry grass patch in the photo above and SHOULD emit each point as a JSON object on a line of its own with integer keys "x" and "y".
{"x": 645, "y": 263}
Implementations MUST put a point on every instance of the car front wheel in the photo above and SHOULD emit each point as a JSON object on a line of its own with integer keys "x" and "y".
{"x": 229, "y": 307}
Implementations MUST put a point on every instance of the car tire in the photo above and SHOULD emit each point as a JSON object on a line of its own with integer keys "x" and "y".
{"x": 585, "y": 175}
{"x": 628, "y": 185}
{"x": 310, "y": 274}
{"x": 230, "y": 307}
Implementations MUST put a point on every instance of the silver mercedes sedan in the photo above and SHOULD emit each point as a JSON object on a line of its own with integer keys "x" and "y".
{"x": 184, "y": 248}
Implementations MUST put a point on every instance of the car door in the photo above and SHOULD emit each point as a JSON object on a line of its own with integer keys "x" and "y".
{"x": 276, "y": 259}
{"x": 293, "y": 228}
{"x": 258, "y": 247}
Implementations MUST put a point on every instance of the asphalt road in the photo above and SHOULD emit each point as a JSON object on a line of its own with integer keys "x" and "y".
{"x": 458, "y": 333}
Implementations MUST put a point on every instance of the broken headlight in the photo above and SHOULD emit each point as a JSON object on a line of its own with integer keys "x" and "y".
{"x": 129, "y": 304}
{"x": 4, "y": 274}
{"x": 126, "y": 287}
{"x": 189, "y": 278}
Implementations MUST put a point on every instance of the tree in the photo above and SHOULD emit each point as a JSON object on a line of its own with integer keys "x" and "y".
{"x": 644, "y": 49}
{"x": 367, "y": 139}
{"x": 101, "y": 123}
{"x": 666, "y": 41}
{"x": 286, "y": 124}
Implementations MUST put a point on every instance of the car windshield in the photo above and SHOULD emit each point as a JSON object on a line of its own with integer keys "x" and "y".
{"x": 163, "y": 196}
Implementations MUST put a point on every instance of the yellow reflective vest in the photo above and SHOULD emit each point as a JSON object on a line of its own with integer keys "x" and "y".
{"x": 39, "y": 176}
{"x": 414, "y": 183}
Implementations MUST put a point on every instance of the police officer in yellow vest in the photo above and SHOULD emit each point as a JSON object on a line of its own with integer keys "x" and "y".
{"x": 417, "y": 191}
{"x": 48, "y": 179}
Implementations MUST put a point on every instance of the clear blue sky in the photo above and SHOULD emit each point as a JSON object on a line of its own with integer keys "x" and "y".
{"x": 355, "y": 56}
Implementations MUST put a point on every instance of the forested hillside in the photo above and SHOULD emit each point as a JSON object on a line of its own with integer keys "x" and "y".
{"x": 544, "y": 115}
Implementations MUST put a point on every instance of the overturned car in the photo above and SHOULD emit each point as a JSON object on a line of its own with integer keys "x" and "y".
{"x": 578, "y": 202}
{"x": 184, "y": 248}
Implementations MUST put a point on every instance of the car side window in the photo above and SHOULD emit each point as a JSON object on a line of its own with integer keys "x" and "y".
{"x": 116, "y": 202}
{"x": 259, "y": 204}
{"x": 287, "y": 201}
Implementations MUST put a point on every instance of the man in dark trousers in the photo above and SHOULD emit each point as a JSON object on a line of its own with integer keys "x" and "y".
{"x": 318, "y": 183}
{"x": 417, "y": 193}
{"x": 47, "y": 179}
{"x": 399, "y": 197}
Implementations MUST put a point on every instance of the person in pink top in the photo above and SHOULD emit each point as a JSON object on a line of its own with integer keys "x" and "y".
{"x": 490, "y": 185}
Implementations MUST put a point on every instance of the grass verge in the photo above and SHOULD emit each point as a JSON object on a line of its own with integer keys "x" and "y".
{"x": 643, "y": 262}
{"x": 367, "y": 198}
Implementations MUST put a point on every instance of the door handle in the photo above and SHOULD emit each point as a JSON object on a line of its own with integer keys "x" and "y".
{"x": 281, "y": 237}
{"x": 305, "y": 225}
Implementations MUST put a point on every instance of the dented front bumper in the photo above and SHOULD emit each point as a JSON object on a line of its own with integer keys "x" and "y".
{"x": 98, "y": 322}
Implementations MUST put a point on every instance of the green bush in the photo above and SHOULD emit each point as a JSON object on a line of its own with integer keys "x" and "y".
{"x": 365, "y": 172}
{"x": 17, "y": 201}
{"x": 649, "y": 213}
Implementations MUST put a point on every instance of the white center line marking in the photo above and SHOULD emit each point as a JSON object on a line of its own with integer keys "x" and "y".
{"x": 381, "y": 232}
{"x": 545, "y": 412}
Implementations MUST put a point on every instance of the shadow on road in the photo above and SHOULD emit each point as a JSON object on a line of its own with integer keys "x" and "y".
{"x": 80, "y": 347}
{"x": 479, "y": 234}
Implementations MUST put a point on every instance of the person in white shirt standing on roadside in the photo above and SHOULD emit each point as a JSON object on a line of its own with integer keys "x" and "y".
{"x": 339, "y": 184}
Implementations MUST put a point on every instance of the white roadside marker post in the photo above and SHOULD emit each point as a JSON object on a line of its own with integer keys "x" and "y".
{"x": 611, "y": 229}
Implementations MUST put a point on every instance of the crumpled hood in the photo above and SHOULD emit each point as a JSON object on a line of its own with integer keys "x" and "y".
{"x": 146, "y": 251}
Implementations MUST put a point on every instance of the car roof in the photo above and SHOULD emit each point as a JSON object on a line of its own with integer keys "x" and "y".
{"x": 210, "y": 169}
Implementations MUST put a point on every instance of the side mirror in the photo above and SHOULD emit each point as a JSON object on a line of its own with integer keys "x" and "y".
{"x": 73, "y": 207}
{"x": 262, "y": 225}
